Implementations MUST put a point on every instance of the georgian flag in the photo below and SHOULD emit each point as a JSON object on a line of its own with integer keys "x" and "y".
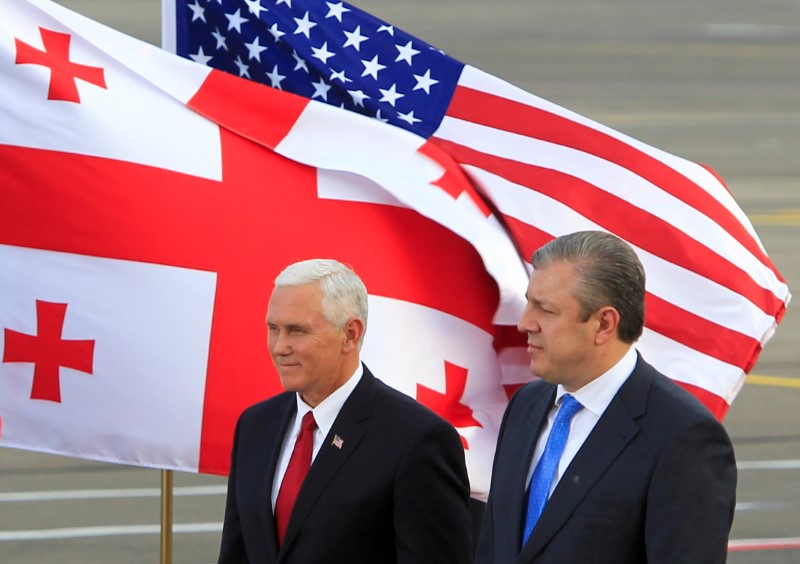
{"x": 148, "y": 204}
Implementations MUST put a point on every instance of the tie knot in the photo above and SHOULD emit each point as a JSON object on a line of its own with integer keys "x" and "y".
{"x": 308, "y": 424}
{"x": 569, "y": 407}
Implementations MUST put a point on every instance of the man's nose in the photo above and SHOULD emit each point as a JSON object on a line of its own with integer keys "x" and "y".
{"x": 279, "y": 343}
{"x": 528, "y": 322}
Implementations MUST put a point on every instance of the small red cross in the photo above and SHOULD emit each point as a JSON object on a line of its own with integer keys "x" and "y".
{"x": 48, "y": 351}
{"x": 63, "y": 72}
{"x": 448, "y": 404}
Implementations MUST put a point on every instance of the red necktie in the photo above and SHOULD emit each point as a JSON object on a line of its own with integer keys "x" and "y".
{"x": 296, "y": 472}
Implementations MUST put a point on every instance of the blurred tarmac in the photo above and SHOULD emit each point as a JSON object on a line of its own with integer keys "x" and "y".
{"x": 717, "y": 82}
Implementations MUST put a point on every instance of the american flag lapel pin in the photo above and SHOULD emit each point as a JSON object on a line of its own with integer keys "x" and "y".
{"x": 338, "y": 442}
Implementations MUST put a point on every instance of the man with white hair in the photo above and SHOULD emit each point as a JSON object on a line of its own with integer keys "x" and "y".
{"x": 340, "y": 467}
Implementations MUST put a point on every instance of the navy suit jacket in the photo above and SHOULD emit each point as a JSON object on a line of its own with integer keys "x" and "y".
{"x": 654, "y": 482}
{"x": 396, "y": 491}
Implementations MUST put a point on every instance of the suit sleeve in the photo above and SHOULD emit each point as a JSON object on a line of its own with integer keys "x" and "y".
{"x": 484, "y": 548}
{"x": 431, "y": 514}
{"x": 692, "y": 497}
{"x": 232, "y": 545}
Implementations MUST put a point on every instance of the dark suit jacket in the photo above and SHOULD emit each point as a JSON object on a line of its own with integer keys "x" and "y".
{"x": 655, "y": 481}
{"x": 396, "y": 490}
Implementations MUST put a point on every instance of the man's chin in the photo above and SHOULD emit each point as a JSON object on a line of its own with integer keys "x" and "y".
{"x": 289, "y": 381}
{"x": 538, "y": 373}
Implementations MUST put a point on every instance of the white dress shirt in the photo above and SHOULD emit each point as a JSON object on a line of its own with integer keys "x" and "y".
{"x": 324, "y": 414}
{"x": 594, "y": 397}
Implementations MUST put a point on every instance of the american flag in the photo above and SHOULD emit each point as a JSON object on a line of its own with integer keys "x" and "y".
{"x": 326, "y": 51}
{"x": 714, "y": 296}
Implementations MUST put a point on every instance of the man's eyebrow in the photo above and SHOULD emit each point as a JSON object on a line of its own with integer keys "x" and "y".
{"x": 287, "y": 325}
{"x": 541, "y": 302}
{"x": 532, "y": 299}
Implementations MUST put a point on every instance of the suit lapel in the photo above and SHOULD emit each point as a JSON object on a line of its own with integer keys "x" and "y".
{"x": 509, "y": 490}
{"x": 332, "y": 456}
{"x": 271, "y": 452}
{"x": 615, "y": 429}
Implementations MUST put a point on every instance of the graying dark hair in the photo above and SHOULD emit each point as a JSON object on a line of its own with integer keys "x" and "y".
{"x": 344, "y": 295}
{"x": 608, "y": 273}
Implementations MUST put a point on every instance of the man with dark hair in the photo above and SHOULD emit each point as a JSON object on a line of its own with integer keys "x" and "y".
{"x": 602, "y": 458}
{"x": 340, "y": 468}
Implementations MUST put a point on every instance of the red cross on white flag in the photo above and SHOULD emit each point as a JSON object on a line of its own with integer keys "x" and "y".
{"x": 63, "y": 71}
{"x": 48, "y": 351}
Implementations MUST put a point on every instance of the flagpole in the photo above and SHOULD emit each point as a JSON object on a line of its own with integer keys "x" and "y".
{"x": 166, "y": 516}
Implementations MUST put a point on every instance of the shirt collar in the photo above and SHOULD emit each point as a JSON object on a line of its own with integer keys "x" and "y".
{"x": 328, "y": 409}
{"x": 597, "y": 394}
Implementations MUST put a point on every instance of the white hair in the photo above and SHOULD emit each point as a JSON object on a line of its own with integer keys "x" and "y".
{"x": 344, "y": 295}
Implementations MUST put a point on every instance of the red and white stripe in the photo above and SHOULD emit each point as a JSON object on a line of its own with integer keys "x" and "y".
{"x": 714, "y": 296}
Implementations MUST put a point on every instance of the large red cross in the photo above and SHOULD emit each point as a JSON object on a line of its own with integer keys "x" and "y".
{"x": 262, "y": 215}
{"x": 63, "y": 72}
{"x": 48, "y": 351}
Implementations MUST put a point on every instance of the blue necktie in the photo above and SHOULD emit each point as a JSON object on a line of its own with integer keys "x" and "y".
{"x": 548, "y": 463}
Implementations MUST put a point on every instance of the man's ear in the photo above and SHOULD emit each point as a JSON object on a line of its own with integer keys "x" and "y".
{"x": 353, "y": 331}
{"x": 607, "y": 322}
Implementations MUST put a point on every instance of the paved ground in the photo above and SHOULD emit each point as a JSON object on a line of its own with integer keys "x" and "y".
{"x": 717, "y": 82}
